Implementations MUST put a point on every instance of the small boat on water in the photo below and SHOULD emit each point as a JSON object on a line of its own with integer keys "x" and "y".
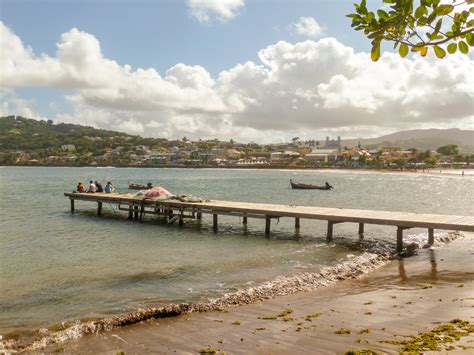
{"x": 298, "y": 185}
{"x": 133, "y": 186}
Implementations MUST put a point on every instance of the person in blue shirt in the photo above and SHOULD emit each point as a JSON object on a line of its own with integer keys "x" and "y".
{"x": 109, "y": 188}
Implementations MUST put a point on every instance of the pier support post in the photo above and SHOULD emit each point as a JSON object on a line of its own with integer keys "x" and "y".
{"x": 181, "y": 221}
{"x": 297, "y": 223}
{"x": 99, "y": 208}
{"x": 400, "y": 239}
{"x": 244, "y": 219}
{"x": 214, "y": 222}
{"x": 72, "y": 205}
{"x": 361, "y": 230}
{"x": 430, "y": 236}
{"x": 130, "y": 212}
{"x": 267, "y": 225}
{"x": 135, "y": 216}
{"x": 199, "y": 215}
{"x": 329, "y": 233}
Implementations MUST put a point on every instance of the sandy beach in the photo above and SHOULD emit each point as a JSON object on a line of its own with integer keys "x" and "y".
{"x": 378, "y": 311}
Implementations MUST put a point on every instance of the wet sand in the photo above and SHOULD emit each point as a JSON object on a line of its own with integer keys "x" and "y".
{"x": 402, "y": 298}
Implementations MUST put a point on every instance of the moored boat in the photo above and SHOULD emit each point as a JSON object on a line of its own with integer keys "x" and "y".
{"x": 298, "y": 185}
{"x": 133, "y": 186}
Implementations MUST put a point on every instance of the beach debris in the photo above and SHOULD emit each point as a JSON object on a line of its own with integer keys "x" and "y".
{"x": 310, "y": 317}
{"x": 343, "y": 331}
{"x": 366, "y": 330}
{"x": 436, "y": 339}
{"x": 285, "y": 313}
{"x": 362, "y": 352}
{"x": 237, "y": 322}
{"x": 208, "y": 350}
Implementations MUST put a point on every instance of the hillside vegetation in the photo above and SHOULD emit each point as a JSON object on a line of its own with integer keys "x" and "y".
{"x": 33, "y": 135}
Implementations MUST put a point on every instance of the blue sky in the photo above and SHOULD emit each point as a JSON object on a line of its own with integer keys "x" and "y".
{"x": 161, "y": 34}
{"x": 146, "y": 33}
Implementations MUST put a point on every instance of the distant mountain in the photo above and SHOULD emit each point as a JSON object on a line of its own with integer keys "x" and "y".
{"x": 422, "y": 139}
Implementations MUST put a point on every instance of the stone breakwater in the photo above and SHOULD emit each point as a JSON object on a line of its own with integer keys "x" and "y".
{"x": 354, "y": 268}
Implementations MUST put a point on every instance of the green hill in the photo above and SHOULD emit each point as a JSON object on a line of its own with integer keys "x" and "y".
{"x": 23, "y": 134}
{"x": 421, "y": 139}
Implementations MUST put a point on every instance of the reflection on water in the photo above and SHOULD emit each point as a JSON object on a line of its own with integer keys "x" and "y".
{"x": 434, "y": 266}
{"x": 433, "y": 275}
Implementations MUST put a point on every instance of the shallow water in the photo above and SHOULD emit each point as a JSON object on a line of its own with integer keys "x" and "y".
{"x": 55, "y": 266}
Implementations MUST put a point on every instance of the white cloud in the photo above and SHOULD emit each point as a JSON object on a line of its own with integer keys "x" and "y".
{"x": 308, "y": 88}
{"x": 223, "y": 10}
{"x": 11, "y": 104}
{"x": 307, "y": 26}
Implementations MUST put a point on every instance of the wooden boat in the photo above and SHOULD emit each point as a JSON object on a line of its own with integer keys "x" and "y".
{"x": 134, "y": 186}
{"x": 298, "y": 185}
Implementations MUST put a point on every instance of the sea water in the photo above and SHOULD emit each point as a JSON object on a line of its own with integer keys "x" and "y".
{"x": 56, "y": 266}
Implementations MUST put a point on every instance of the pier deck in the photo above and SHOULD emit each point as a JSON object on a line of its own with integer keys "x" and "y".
{"x": 176, "y": 210}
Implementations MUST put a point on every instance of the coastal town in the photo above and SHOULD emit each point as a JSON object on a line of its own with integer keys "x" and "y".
{"x": 108, "y": 148}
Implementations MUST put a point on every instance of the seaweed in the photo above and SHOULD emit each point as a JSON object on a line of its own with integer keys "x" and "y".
{"x": 436, "y": 339}
{"x": 343, "y": 331}
{"x": 310, "y": 317}
{"x": 362, "y": 352}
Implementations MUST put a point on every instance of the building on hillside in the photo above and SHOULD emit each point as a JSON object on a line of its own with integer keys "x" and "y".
{"x": 157, "y": 158}
{"x": 233, "y": 154}
{"x": 283, "y": 157}
{"x": 220, "y": 153}
{"x": 322, "y": 156}
{"x": 68, "y": 147}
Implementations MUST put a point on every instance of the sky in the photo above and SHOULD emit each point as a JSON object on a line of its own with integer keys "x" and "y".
{"x": 250, "y": 70}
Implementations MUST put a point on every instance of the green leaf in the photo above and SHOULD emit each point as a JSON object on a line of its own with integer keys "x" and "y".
{"x": 470, "y": 39}
{"x": 403, "y": 50}
{"x": 452, "y": 48}
{"x": 463, "y": 47}
{"x": 471, "y": 10}
{"x": 444, "y": 10}
{"x": 375, "y": 52}
{"x": 438, "y": 26}
{"x": 440, "y": 52}
{"x": 424, "y": 51}
{"x": 382, "y": 14}
{"x": 420, "y": 11}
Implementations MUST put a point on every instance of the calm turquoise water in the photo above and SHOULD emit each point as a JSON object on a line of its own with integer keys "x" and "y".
{"x": 56, "y": 266}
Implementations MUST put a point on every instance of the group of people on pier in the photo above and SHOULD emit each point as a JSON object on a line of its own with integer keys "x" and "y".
{"x": 95, "y": 186}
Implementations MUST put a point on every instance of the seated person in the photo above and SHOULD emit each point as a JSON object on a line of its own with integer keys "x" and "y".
{"x": 80, "y": 187}
{"x": 99, "y": 187}
{"x": 92, "y": 187}
{"x": 109, "y": 188}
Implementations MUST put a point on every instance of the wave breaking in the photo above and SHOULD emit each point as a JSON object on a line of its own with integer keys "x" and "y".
{"x": 356, "y": 267}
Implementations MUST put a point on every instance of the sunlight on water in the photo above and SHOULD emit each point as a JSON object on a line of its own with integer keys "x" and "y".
{"x": 55, "y": 266}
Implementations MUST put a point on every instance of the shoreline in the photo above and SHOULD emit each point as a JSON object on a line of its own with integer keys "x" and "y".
{"x": 354, "y": 268}
{"x": 378, "y": 311}
{"x": 464, "y": 171}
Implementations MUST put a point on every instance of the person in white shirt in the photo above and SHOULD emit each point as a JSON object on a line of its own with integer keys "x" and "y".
{"x": 92, "y": 187}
